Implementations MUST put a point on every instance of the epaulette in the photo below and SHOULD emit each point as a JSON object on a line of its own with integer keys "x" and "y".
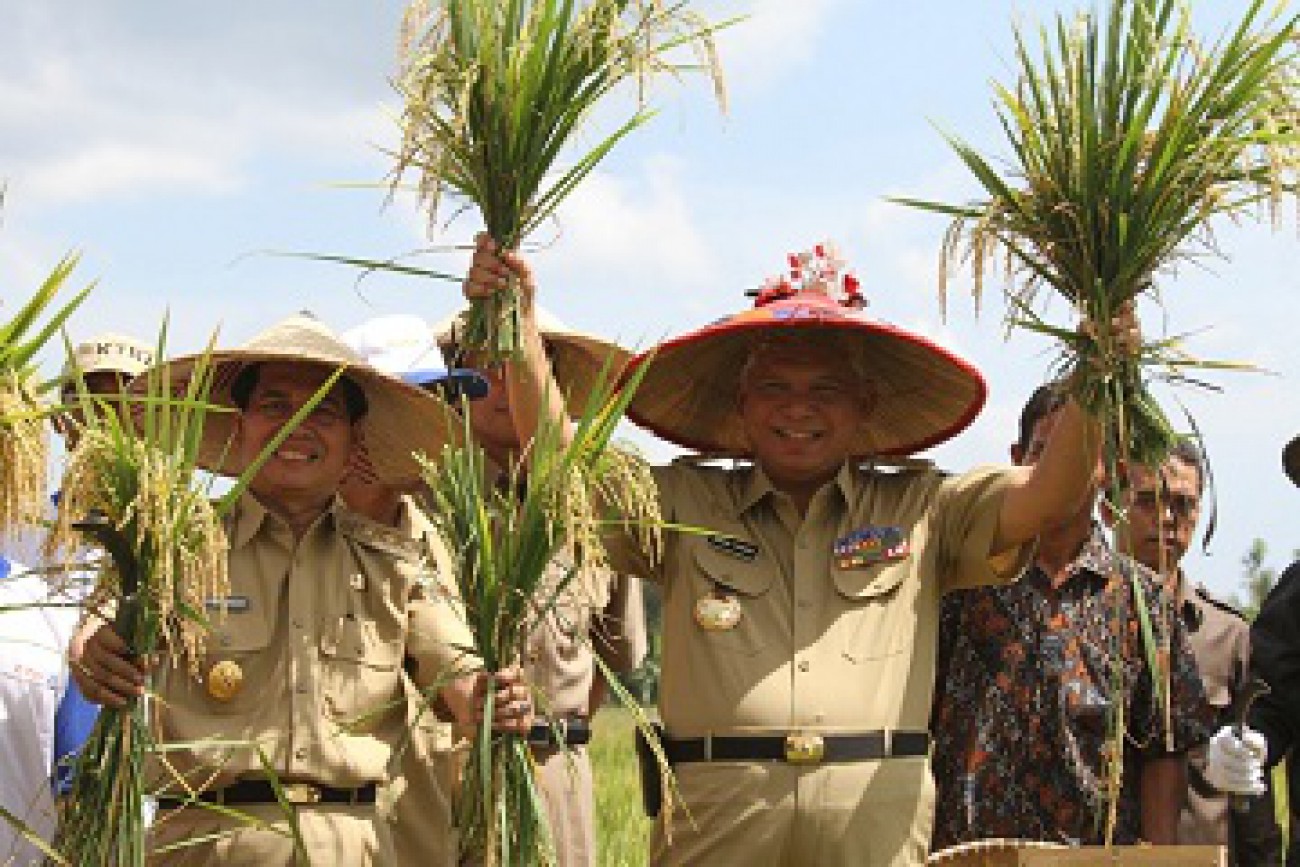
{"x": 1205, "y": 596}
{"x": 389, "y": 540}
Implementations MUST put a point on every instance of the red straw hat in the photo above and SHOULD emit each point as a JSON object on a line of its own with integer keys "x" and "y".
{"x": 923, "y": 393}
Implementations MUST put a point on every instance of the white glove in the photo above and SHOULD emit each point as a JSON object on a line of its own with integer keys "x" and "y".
{"x": 1236, "y": 765}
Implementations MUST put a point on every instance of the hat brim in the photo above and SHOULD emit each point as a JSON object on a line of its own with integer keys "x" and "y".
{"x": 456, "y": 382}
{"x": 923, "y": 394}
{"x": 582, "y": 363}
{"x": 1291, "y": 461}
{"x": 401, "y": 420}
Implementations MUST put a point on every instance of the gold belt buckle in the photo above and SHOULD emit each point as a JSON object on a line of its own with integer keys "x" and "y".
{"x": 301, "y": 793}
{"x": 802, "y": 748}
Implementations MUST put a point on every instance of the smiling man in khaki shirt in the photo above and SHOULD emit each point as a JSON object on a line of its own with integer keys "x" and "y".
{"x": 323, "y": 610}
{"x": 799, "y": 635}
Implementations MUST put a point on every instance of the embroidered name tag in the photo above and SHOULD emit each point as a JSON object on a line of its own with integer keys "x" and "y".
{"x": 228, "y": 604}
{"x": 734, "y": 547}
{"x": 868, "y": 546}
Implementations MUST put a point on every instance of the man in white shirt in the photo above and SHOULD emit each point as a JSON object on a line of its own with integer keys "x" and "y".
{"x": 35, "y": 625}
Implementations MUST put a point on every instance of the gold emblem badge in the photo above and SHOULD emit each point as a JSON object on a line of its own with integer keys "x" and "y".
{"x": 717, "y": 612}
{"x": 225, "y": 680}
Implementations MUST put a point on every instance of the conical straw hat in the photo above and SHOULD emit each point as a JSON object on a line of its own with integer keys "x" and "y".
{"x": 401, "y": 419}
{"x": 923, "y": 394}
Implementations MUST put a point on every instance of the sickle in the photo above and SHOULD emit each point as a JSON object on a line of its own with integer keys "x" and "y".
{"x": 97, "y": 525}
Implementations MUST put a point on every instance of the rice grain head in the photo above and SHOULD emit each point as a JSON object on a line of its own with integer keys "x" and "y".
{"x": 24, "y": 452}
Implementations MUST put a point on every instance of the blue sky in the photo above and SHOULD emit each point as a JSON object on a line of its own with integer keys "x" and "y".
{"x": 174, "y": 143}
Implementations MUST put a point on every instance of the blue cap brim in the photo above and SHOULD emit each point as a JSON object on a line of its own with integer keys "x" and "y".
{"x": 454, "y": 383}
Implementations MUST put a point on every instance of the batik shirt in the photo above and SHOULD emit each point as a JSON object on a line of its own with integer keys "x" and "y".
{"x": 1025, "y": 703}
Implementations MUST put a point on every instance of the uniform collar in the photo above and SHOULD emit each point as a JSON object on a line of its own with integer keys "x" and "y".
{"x": 755, "y": 485}
{"x": 250, "y": 516}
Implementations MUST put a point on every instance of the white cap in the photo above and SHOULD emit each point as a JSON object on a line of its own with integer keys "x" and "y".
{"x": 113, "y": 353}
{"x": 402, "y": 345}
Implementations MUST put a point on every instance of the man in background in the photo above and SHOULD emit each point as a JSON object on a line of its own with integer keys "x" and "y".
{"x": 1026, "y": 700}
{"x": 1154, "y": 524}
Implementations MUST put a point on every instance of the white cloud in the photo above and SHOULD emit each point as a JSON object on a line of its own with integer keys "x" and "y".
{"x": 777, "y": 36}
{"x": 641, "y": 224}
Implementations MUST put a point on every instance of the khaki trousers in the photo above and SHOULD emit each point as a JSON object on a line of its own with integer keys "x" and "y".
{"x": 771, "y": 814}
{"x": 333, "y": 834}
{"x": 565, "y": 784}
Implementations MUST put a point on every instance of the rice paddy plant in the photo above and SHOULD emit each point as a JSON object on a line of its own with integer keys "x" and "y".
{"x": 504, "y": 537}
{"x": 495, "y": 93}
{"x": 1127, "y": 138}
{"x": 24, "y": 445}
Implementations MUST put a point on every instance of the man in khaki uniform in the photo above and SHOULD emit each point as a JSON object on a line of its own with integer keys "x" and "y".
{"x": 799, "y": 636}
{"x": 323, "y": 609}
{"x": 602, "y": 615}
{"x": 1161, "y": 510}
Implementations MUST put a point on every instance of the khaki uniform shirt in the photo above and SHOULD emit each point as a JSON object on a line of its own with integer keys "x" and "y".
{"x": 319, "y": 629}
{"x": 817, "y": 648}
{"x": 603, "y": 616}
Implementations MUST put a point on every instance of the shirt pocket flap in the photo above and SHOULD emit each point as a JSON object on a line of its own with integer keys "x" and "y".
{"x": 879, "y": 579}
{"x": 241, "y": 632}
{"x": 747, "y": 577}
{"x": 353, "y": 639}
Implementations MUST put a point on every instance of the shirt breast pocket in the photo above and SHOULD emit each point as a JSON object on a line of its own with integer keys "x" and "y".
{"x": 880, "y": 615}
{"x": 740, "y": 588}
{"x": 359, "y": 670}
{"x": 244, "y": 639}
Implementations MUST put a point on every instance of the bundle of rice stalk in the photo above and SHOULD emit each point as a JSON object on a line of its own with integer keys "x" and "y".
{"x": 494, "y": 92}
{"x": 24, "y": 448}
{"x": 134, "y": 486}
{"x": 504, "y": 537}
{"x": 1129, "y": 137}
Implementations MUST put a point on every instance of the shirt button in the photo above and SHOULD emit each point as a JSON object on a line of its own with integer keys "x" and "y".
{"x": 804, "y": 666}
{"x": 300, "y": 754}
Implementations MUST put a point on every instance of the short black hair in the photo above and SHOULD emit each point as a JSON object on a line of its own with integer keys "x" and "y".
{"x": 1187, "y": 451}
{"x": 241, "y": 391}
{"x": 1045, "y": 400}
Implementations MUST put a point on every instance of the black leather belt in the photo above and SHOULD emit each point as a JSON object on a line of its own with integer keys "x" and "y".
{"x": 799, "y": 748}
{"x": 262, "y": 792}
{"x": 575, "y": 731}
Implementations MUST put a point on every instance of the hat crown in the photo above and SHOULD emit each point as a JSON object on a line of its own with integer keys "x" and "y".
{"x": 396, "y": 343}
{"x": 303, "y": 335}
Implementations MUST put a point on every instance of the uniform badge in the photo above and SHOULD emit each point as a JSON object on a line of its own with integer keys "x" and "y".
{"x": 225, "y": 680}
{"x": 227, "y": 604}
{"x": 734, "y": 547}
{"x": 870, "y": 545}
{"x": 717, "y": 612}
